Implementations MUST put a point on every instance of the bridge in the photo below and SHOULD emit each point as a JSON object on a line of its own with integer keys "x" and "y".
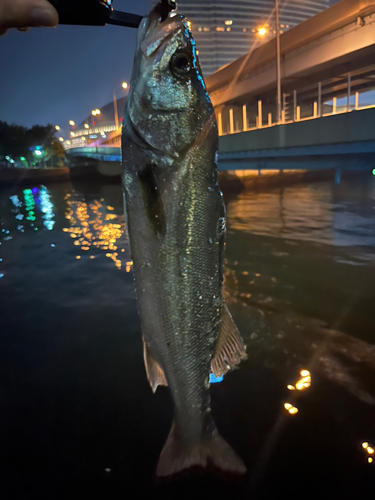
{"x": 327, "y": 73}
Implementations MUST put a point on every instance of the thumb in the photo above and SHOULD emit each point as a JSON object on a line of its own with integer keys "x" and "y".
{"x": 26, "y": 13}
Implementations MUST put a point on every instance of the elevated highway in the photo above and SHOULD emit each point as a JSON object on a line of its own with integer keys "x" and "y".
{"x": 331, "y": 55}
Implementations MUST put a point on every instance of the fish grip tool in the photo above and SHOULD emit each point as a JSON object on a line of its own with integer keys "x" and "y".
{"x": 100, "y": 13}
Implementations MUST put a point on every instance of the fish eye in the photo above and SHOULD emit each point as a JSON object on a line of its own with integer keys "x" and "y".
{"x": 181, "y": 63}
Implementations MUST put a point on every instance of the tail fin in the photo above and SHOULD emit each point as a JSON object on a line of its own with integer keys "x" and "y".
{"x": 177, "y": 455}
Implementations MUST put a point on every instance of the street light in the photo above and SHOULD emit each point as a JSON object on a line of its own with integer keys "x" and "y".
{"x": 262, "y": 31}
{"x": 71, "y": 123}
{"x": 278, "y": 75}
{"x": 124, "y": 85}
{"x": 61, "y": 139}
{"x": 57, "y": 127}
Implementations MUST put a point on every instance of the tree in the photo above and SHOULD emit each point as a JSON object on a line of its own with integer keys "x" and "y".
{"x": 19, "y": 142}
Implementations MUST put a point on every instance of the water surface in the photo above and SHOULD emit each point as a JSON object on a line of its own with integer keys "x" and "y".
{"x": 78, "y": 418}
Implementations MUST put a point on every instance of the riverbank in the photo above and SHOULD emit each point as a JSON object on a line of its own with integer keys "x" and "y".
{"x": 19, "y": 176}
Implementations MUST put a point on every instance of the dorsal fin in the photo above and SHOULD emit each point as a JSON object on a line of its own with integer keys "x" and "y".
{"x": 230, "y": 348}
{"x": 155, "y": 374}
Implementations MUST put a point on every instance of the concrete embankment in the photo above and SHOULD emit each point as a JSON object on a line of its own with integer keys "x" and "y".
{"x": 17, "y": 176}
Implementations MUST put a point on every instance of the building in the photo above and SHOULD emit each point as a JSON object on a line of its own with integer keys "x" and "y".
{"x": 224, "y": 30}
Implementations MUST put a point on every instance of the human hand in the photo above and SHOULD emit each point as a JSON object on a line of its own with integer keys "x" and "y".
{"x": 23, "y": 14}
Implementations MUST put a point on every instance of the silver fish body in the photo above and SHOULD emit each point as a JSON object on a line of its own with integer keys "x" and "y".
{"x": 176, "y": 226}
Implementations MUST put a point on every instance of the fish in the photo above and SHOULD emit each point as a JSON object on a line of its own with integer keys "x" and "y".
{"x": 175, "y": 219}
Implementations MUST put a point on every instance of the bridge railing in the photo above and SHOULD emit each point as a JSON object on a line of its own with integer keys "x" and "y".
{"x": 229, "y": 125}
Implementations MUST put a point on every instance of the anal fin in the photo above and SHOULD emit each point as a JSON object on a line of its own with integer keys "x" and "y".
{"x": 155, "y": 374}
{"x": 230, "y": 349}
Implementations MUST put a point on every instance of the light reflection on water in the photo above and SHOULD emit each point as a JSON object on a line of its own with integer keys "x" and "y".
{"x": 308, "y": 213}
{"x": 304, "y": 309}
{"x": 91, "y": 229}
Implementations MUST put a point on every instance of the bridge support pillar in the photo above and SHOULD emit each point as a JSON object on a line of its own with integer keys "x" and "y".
{"x": 269, "y": 119}
{"x": 260, "y": 123}
{"x": 244, "y": 118}
{"x": 231, "y": 121}
{"x": 320, "y": 99}
{"x": 334, "y": 105}
{"x": 349, "y": 92}
{"x": 219, "y": 124}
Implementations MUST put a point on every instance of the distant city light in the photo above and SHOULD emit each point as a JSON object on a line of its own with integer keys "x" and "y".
{"x": 67, "y": 142}
{"x": 71, "y": 123}
{"x": 262, "y": 31}
{"x": 22, "y": 158}
{"x": 124, "y": 85}
{"x": 373, "y": 171}
{"x": 7, "y": 158}
{"x": 38, "y": 147}
{"x": 38, "y": 153}
{"x": 95, "y": 112}
{"x": 87, "y": 126}
{"x": 57, "y": 127}
{"x": 229, "y": 22}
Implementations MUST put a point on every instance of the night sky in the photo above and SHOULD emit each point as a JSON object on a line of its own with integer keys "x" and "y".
{"x": 53, "y": 75}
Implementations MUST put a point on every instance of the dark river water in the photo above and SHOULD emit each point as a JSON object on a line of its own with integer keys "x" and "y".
{"x": 77, "y": 417}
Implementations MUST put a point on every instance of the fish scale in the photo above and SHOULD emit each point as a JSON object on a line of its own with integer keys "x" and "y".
{"x": 175, "y": 215}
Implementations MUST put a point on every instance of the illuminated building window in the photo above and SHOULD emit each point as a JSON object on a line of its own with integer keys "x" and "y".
{"x": 228, "y": 22}
{"x": 200, "y": 28}
{"x": 228, "y": 29}
{"x": 244, "y": 30}
{"x": 219, "y": 28}
{"x": 282, "y": 26}
{"x": 206, "y": 29}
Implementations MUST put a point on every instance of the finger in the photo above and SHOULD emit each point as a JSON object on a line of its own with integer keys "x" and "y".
{"x": 26, "y": 13}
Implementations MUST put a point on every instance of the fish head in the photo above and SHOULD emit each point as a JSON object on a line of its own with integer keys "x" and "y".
{"x": 168, "y": 105}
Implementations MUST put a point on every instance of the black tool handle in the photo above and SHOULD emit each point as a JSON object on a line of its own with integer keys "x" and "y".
{"x": 93, "y": 13}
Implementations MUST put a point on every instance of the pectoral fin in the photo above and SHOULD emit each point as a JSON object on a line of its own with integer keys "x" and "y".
{"x": 230, "y": 348}
{"x": 155, "y": 374}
